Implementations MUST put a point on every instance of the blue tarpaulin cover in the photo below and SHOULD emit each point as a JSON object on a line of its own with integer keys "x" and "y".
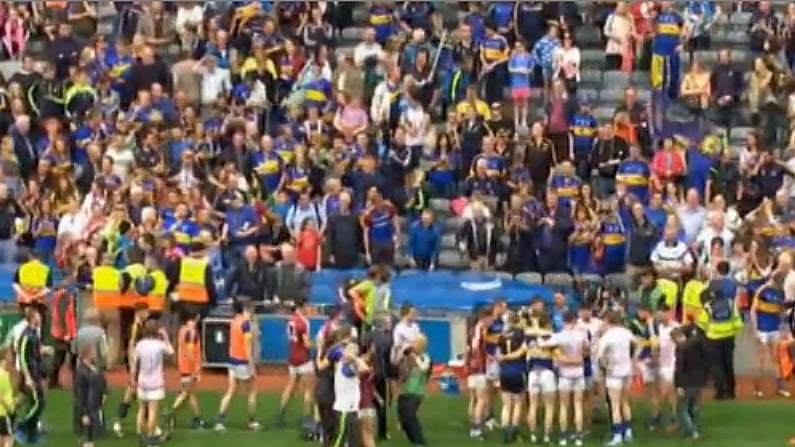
{"x": 434, "y": 290}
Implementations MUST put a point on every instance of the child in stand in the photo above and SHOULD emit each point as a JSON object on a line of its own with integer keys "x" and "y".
{"x": 690, "y": 376}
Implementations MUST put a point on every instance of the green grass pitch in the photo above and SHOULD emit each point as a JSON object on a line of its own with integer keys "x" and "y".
{"x": 724, "y": 424}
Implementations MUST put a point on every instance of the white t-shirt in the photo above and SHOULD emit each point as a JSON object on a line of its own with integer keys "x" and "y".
{"x": 405, "y": 333}
{"x": 149, "y": 354}
{"x": 591, "y": 329}
{"x": 614, "y": 351}
{"x": 667, "y": 346}
{"x": 573, "y": 344}
{"x": 347, "y": 393}
{"x": 416, "y": 118}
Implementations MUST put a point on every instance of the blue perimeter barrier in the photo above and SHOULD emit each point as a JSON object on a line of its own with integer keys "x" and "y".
{"x": 273, "y": 337}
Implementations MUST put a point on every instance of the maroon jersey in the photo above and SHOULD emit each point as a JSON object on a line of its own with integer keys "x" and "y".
{"x": 297, "y": 333}
{"x": 476, "y": 350}
{"x": 367, "y": 390}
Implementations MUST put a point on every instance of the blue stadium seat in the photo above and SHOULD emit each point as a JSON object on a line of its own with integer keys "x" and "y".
{"x": 452, "y": 259}
{"x": 530, "y": 278}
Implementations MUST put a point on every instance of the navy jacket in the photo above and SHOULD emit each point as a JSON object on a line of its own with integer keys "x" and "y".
{"x": 424, "y": 241}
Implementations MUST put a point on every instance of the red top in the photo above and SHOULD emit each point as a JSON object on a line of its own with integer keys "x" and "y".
{"x": 668, "y": 164}
{"x": 297, "y": 333}
{"x": 367, "y": 390}
{"x": 306, "y": 248}
{"x": 476, "y": 352}
{"x": 642, "y": 15}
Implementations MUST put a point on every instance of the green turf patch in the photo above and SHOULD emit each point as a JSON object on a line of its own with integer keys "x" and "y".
{"x": 724, "y": 424}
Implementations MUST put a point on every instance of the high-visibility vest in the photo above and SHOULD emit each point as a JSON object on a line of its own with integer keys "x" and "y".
{"x": 157, "y": 297}
{"x": 63, "y": 324}
{"x": 237, "y": 338}
{"x": 720, "y": 319}
{"x": 131, "y": 296}
{"x": 107, "y": 287}
{"x": 191, "y": 286}
{"x": 188, "y": 351}
{"x": 32, "y": 279}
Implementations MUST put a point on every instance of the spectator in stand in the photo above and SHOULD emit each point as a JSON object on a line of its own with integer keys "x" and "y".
{"x": 249, "y": 278}
{"x": 696, "y": 91}
{"x": 425, "y": 240}
{"x": 620, "y": 33}
{"x": 726, "y": 87}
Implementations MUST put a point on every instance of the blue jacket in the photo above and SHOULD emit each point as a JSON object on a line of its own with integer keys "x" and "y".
{"x": 424, "y": 242}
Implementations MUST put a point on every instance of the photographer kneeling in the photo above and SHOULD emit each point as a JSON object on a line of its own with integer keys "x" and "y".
{"x": 414, "y": 367}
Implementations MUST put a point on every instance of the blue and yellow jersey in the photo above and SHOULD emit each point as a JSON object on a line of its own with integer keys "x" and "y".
{"x": 494, "y": 48}
{"x": 539, "y": 357}
{"x": 317, "y": 93}
{"x": 270, "y": 167}
{"x": 668, "y": 28}
{"x": 495, "y": 164}
{"x": 756, "y": 279}
{"x": 769, "y": 304}
{"x": 493, "y": 336}
{"x": 184, "y": 231}
{"x": 567, "y": 187}
{"x": 646, "y": 333}
{"x": 382, "y": 19}
{"x": 615, "y": 239}
{"x": 512, "y": 341}
{"x": 636, "y": 175}
{"x": 297, "y": 178}
{"x": 583, "y": 127}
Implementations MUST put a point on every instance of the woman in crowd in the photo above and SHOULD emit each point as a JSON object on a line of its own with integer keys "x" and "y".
{"x": 414, "y": 372}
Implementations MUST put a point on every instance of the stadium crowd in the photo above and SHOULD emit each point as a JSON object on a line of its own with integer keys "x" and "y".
{"x": 205, "y": 150}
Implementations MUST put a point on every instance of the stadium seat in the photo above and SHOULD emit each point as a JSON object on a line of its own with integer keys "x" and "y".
{"x": 504, "y": 275}
{"x": 8, "y": 68}
{"x": 737, "y": 37}
{"x": 593, "y": 58}
{"x": 588, "y": 36}
{"x": 174, "y": 50}
{"x": 708, "y": 58}
{"x": 530, "y": 278}
{"x": 440, "y": 205}
{"x": 590, "y": 278}
{"x": 591, "y": 78}
{"x": 611, "y": 95}
{"x": 740, "y": 18}
{"x": 353, "y": 33}
{"x": 560, "y": 281}
{"x": 644, "y": 95}
{"x": 742, "y": 59}
{"x": 452, "y": 259}
{"x": 452, "y": 224}
{"x": 619, "y": 280}
{"x": 448, "y": 241}
{"x": 588, "y": 94}
{"x": 105, "y": 28}
{"x": 740, "y": 134}
{"x": 603, "y": 114}
{"x": 616, "y": 80}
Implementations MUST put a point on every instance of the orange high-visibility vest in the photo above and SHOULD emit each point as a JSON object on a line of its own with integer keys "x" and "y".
{"x": 157, "y": 297}
{"x": 237, "y": 338}
{"x": 191, "y": 287}
{"x": 64, "y": 323}
{"x": 106, "y": 287}
{"x": 188, "y": 351}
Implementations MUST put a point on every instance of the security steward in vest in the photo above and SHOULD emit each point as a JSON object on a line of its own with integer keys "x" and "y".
{"x": 156, "y": 299}
{"x": 106, "y": 287}
{"x": 130, "y": 298}
{"x": 721, "y": 322}
{"x": 190, "y": 281}
{"x": 32, "y": 284}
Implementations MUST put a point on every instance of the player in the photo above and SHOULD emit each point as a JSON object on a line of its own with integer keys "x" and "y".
{"x": 300, "y": 366}
{"x": 591, "y": 326}
{"x": 149, "y": 379}
{"x": 613, "y": 352}
{"x": 136, "y": 335}
{"x": 492, "y": 337}
{"x": 667, "y": 361}
{"x": 767, "y": 315}
{"x": 644, "y": 326}
{"x": 541, "y": 381}
{"x": 476, "y": 367}
{"x": 324, "y": 385}
{"x": 512, "y": 376}
{"x": 369, "y": 397}
{"x": 573, "y": 345}
{"x": 348, "y": 367}
{"x": 242, "y": 371}
{"x": 189, "y": 366}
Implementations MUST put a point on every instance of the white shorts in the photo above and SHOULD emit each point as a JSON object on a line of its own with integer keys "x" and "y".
{"x": 566, "y": 384}
{"x": 493, "y": 370}
{"x": 541, "y": 381}
{"x": 649, "y": 373}
{"x": 667, "y": 374}
{"x": 476, "y": 382}
{"x": 151, "y": 395}
{"x": 617, "y": 383}
{"x": 301, "y": 370}
{"x": 367, "y": 413}
{"x": 768, "y": 338}
{"x": 241, "y": 372}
